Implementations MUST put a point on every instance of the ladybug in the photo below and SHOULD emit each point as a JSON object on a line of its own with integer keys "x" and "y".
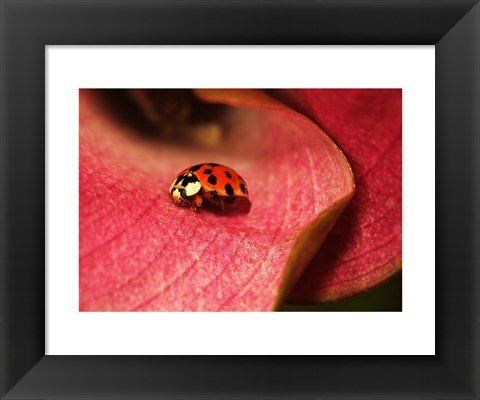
{"x": 215, "y": 183}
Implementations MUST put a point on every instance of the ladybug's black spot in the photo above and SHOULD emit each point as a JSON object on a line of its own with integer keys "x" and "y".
{"x": 212, "y": 179}
{"x": 213, "y": 164}
{"x": 229, "y": 175}
{"x": 207, "y": 171}
{"x": 189, "y": 179}
{"x": 195, "y": 168}
{"x": 243, "y": 188}
{"x": 229, "y": 189}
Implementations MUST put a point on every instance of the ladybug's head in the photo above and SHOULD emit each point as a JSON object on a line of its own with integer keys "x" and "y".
{"x": 184, "y": 187}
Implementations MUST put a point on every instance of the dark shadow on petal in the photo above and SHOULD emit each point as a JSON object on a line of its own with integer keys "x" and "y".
{"x": 243, "y": 206}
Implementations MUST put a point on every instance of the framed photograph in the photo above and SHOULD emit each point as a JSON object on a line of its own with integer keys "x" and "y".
{"x": 83, "y": 85}
{"x": 197, "y": 253}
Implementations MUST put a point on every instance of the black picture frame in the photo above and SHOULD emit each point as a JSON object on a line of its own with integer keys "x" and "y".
{"x": 453, "y": 26}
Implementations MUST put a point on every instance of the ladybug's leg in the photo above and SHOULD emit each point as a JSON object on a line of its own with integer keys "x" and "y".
{"x": 197, "y": 202}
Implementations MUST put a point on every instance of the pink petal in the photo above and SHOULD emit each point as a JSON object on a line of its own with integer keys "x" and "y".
{"x": 364, "y": 249}
{"x": 139, "y": 251}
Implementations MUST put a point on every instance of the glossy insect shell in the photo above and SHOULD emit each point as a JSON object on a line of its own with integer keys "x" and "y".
{"x": 216, "y": 183}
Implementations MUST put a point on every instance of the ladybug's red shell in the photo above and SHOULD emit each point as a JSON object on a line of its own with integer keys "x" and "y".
{"x": 208, "y": 181}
